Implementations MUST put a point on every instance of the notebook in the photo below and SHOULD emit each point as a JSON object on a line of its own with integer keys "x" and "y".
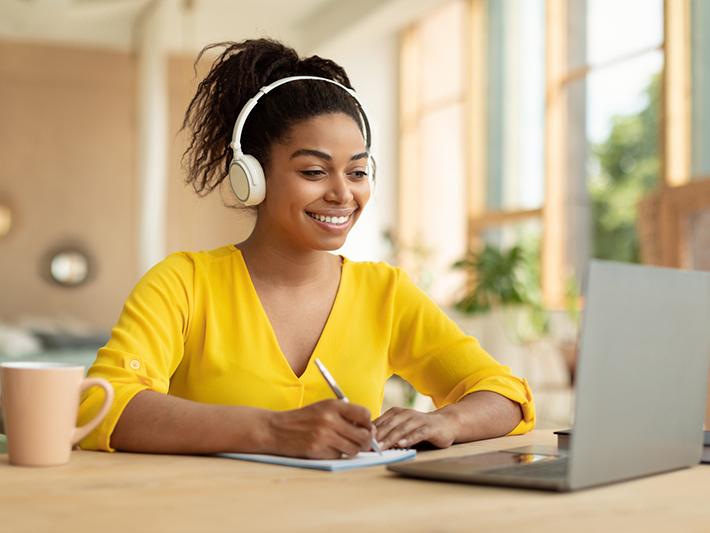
{"x": 361, "y": 460}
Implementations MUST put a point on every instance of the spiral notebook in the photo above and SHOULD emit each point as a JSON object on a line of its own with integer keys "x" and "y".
{"x": 361, "y": 460}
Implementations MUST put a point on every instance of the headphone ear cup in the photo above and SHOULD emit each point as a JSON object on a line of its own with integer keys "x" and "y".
{"x": 247, "y": 180}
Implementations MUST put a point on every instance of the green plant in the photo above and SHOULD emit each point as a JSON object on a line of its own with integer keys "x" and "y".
{"x": 629, "y": 167}
{"x": 495, "y": 279}
{"x": 502, "y": 279}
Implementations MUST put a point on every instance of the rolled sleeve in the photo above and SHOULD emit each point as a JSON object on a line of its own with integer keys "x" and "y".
{"x": 431, "y": 352}
{"x": 145, "y": 348}
{"x": 502, "y": 382}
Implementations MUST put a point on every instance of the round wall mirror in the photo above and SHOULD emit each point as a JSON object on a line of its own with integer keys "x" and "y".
{"x": 69, "y": 267}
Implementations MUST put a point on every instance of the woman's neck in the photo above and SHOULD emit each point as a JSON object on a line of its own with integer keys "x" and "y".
{"x": 284, "y": 265}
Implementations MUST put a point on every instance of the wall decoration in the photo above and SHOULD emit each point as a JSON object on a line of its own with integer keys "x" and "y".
{"x": 69, "y": 266}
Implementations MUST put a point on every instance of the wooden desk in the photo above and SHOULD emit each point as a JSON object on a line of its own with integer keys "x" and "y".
{"x": 132, "y": 493}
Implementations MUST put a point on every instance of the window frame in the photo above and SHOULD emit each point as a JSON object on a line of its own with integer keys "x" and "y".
{"x": 675, "y": 135}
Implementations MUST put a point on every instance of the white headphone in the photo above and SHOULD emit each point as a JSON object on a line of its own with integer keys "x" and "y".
{"x": 245, "y": 173}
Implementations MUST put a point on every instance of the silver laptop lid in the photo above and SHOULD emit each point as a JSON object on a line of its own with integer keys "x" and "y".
{"x": 643, "y": 372}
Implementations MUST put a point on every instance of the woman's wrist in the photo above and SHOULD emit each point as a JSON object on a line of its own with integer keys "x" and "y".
{"x": 452, "y": 416}
{"x": 268, "y": 438}
{"x": 253, "y": 431}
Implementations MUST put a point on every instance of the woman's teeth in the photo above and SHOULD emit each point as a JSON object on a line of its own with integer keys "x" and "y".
{"x": 338, "y": 221}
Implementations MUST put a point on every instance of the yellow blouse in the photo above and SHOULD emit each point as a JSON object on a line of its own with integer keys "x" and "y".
{"x": 194, "y": 327}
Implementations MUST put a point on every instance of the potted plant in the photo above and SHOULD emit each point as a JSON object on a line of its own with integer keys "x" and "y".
{"x": 504, "y": 280}
{"x": 501, "y": 304}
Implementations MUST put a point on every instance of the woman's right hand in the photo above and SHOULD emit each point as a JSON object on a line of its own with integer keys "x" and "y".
{"x": 324, "y": 430}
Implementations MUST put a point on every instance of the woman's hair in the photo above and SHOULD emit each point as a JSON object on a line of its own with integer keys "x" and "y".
{"x": 235, "y": 76}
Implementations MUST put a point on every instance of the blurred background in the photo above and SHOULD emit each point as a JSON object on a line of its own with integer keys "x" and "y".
{"x": 515, "y": 139}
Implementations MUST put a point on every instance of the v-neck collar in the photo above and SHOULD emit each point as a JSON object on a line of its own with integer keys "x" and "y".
{"x": 272, "y": 333}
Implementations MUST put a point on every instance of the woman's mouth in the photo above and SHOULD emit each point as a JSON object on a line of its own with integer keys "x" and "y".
{"x": 332, "y": 221}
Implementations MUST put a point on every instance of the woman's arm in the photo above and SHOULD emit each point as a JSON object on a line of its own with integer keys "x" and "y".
{"x": 153, "y": 422}
{"x": 478, "y": 397}
{"x": 479, "y": 415}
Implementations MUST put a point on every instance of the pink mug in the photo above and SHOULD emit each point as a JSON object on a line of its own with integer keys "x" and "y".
{"x": 40, "y": 402}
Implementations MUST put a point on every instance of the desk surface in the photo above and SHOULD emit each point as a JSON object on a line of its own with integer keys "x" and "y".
{"x": 135, "y": 492}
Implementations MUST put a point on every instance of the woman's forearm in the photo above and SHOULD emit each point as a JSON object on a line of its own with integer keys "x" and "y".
{"x": 482, "y": 415}
{"x": 159, "y": 423}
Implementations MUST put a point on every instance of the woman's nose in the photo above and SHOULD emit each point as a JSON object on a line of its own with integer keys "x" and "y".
{"x": 339, "y": 189}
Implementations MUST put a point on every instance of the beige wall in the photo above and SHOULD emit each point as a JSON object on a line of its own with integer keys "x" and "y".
{"x": 194, "y": 223}
{"x": 67, "y": 167}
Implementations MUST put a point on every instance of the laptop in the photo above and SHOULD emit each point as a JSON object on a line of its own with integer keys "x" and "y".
{"x": 640, "y": 391}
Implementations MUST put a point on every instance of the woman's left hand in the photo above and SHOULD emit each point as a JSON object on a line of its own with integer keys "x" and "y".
{"x": 403, "y": 428}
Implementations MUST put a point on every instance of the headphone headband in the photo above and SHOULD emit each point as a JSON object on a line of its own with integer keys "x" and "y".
{"x": 236, "y": 143}
{"x": 246, "y": 175}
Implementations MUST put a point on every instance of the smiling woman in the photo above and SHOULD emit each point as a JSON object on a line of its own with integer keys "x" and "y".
{"x": 214, "y": 351}
{"x": 316, "y": 194}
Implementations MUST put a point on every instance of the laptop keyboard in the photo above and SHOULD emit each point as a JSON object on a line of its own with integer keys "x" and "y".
{"x": 543, "y": 469}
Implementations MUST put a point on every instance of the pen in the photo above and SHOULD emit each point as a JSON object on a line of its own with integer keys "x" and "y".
{"x": 339, "y": 393}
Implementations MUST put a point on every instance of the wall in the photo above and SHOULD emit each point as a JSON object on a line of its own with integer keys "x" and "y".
{"x": 194, "y": 223}
{"x": 66, "y": 166}
{"x": 68, "y": 169}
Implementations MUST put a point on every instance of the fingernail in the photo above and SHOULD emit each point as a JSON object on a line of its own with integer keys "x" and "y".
{"x": 401, "y": 442}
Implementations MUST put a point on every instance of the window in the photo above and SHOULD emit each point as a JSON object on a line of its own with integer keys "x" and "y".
{"x": 549, "y": 127}
{"x": 514, "y": 92}
{"x": 605, "y": 60}
{"x": 432, "y": 226}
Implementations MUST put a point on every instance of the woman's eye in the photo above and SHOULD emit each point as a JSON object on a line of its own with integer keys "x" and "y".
{"x": 359, "y": 174}
{"x": 312, "y": 173}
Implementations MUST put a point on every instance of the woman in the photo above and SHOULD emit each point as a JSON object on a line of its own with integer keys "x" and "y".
{"x": 214, "y": 351}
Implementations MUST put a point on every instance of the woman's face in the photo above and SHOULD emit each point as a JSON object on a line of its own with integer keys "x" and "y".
{"x": 316, "y": 183}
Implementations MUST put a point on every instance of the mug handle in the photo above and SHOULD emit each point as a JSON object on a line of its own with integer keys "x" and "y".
{"x": 83, "y": 431}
